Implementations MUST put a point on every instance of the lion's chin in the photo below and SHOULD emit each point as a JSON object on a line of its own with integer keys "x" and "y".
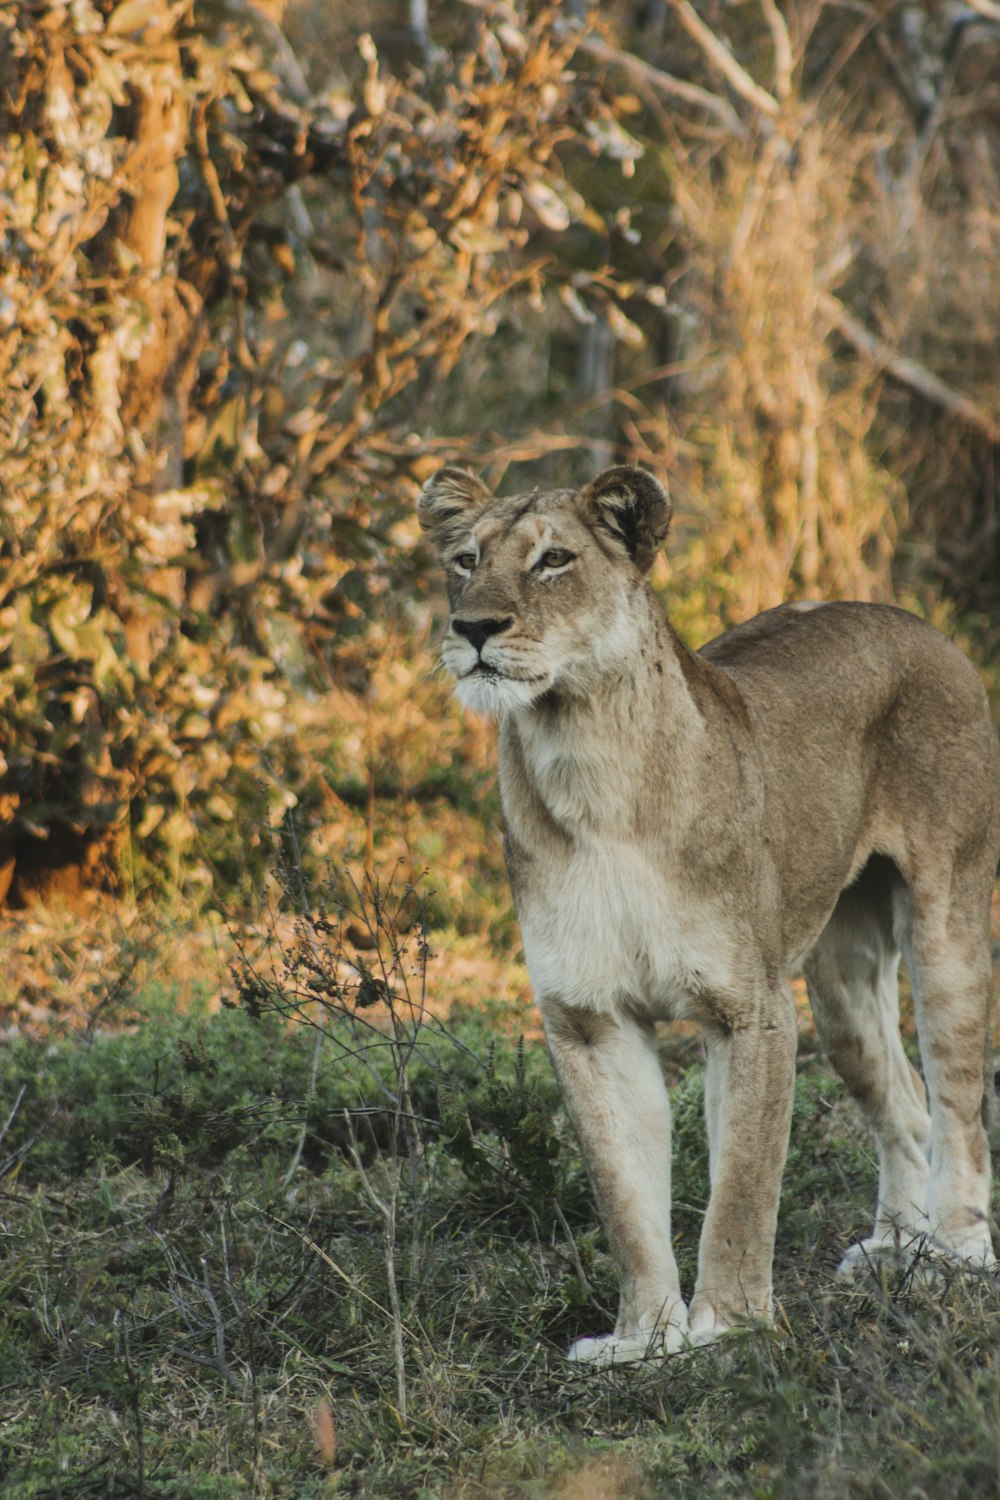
{"x": 492, "y": 696}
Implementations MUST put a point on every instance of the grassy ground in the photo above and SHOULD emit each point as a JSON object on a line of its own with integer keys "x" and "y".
{"x": 323, "y": 1242}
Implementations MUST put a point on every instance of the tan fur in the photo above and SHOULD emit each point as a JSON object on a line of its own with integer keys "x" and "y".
{"x": 819, "y": 787}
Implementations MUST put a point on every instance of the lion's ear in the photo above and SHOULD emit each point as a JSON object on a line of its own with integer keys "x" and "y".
{"x": 449, "y": 501}
{"x": 632, "y": 507}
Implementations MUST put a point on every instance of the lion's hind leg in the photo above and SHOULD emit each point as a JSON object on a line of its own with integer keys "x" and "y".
{"x": 947, "y": 947}
{"x": 852, "y": 978}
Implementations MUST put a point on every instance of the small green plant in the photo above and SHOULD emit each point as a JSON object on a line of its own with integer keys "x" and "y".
{"x": 513, "y": 1149}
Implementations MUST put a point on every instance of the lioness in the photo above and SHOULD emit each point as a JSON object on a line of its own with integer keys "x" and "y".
{"x": 819, "y": 787}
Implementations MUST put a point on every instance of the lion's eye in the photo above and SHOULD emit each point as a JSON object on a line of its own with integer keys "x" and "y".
{"x": 555, "y": 557}
{"x": 466, "y": 561}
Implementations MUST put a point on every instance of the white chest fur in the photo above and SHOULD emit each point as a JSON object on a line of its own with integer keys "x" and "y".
{"x": 611, "y": 928}
{"x": 607, "y": 917}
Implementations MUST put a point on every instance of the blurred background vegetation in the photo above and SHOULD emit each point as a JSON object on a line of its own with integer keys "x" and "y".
{"x": 263, "y": 267}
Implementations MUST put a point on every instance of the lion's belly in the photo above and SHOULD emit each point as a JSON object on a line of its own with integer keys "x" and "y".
{"x": 610, "y": 929}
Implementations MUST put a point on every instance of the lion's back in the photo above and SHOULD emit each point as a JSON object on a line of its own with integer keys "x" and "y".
{"x": 850, "y": 659}
{"x": 863, "y": 693}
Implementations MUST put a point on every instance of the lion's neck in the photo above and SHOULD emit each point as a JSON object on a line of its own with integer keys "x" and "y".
{"x": 593, "y": 762}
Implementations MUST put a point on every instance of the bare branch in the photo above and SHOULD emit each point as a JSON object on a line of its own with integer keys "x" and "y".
{"x": 782, "y": 48}
{"x": 387, "y": 1208}
{"x": 720, "y": 56}
{"x": 655, "y": 78}
{"x": 16, "y": 1106}
{"x": 180, "y": 1352}
{"x": 852, "y": 41}
{"x": 300, "y": 1145}
{"x": 664, "y": 83}
{"x": 328, "y": 1260}
{"x": 908, "y": 372}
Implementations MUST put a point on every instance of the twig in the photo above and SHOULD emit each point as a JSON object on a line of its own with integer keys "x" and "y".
{"x": 208, "y": 1363}
{"x": 782, "y": 48}
{"x": 217, "y": 198}
{"x": 656, "y": 78}
{"x": 907, "y": 371}
{"x": 328, "y": 1260}
{"x": 581, "y": 1275}
{"x": 664, "y": 83}
{"x": 719, "y": 54}
{"x": 250, "y": 1323}
{"x": 387, "y": 1208}
{"x": 293, "y": 1166}
{"x": 868, "y": 23}
{"x": 15, "y": 1157}
{"x": 234, "y": 254}
{"x": 195, "y": 1322}
{"x": 16, "y": 1106}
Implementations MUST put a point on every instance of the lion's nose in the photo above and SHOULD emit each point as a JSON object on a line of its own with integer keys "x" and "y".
{"x": 479, "y": 631}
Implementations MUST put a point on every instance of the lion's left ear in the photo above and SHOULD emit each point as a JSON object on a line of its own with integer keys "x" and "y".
{"x": 449, "y": 503}
{"x": 632, "y": 507}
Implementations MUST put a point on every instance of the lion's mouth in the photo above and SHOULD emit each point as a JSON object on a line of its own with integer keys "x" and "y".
{"x": 486, "y": 672}
{"x": 490, "y": 673}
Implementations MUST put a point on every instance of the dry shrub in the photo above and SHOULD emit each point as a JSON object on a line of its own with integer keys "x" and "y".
{"x": 227, "y": 311}
{"x": 791, "y": 500}
{"x": 833, "y": 282}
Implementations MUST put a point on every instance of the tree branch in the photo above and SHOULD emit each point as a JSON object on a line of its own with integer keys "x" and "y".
{"x": 664, "y": 83}
{"x": 719, "y": 54}
{"x": 782, "y": 48}
{"x": 907, "y": 371}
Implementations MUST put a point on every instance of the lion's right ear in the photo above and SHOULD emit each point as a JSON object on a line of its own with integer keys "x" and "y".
{"x": 632, "y": 507}
{"x": 449, "y": 501}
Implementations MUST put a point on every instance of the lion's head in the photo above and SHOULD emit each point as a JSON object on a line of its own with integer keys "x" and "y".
{"x": 543, "y": 585}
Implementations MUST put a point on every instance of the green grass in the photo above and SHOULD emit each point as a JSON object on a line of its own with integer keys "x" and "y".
{"x": 217, "y": 1226}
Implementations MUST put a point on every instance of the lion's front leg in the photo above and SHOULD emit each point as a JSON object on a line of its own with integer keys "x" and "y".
{"x": 616, "y": 1097}
{"x": 748, "y": 1098}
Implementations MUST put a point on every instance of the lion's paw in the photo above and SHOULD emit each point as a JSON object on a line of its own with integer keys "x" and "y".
{"x": 712, "y": 1329}
{"x": 626, "y": 1349}
{"x": 923, "y": 1252}
{"x": 868, "y": 1254}
{"x": 710, "y": 1333}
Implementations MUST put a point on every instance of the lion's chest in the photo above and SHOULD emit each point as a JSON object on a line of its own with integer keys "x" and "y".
{"x": 607, "y": 927}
